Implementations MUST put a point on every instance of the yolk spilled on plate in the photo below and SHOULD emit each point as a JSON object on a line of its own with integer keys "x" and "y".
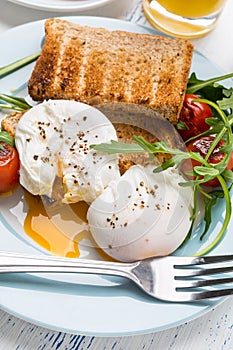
{"x": 41, "y": 227}
{"x": 58, "y": 228}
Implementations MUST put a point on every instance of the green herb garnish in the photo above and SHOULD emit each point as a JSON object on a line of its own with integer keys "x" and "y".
{"x": 221, "y": 101}
{"x": 207, "y": 88}
{"x": 6, "y": 138}
{"x": 12, "y": 67}
{"x": 13, "y": 103}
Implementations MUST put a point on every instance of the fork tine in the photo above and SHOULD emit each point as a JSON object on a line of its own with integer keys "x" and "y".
{"x": 210, "y": 294}
{"x": 202, "y": 272}
{"x": 202, "y": 282}
{"x": 190, "y": 261}
{"x": 187, "y": 296}
{"x": 215, "y": 259}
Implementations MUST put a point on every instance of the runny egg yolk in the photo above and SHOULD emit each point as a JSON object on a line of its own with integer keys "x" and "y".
{"x": 39, "y": 226}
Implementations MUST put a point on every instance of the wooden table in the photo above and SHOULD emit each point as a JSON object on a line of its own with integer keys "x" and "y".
{"x": 212, "y": 331}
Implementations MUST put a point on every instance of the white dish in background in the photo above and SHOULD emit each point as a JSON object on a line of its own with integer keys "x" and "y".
{"x": 62, "y": 5}
{"x": 84, "y": 304}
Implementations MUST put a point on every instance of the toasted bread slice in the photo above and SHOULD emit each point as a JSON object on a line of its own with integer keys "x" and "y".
{"x": 9, "y": 123}
{"x": 95, "y": 65}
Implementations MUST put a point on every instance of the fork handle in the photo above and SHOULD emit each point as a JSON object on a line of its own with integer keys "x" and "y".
{"x": 14, "y": 262}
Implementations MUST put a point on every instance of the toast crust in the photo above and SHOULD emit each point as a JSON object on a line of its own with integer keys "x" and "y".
{"x": 95, "y": 65}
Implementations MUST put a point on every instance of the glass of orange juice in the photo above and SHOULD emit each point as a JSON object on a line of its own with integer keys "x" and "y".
{"x": 183, "y": 18}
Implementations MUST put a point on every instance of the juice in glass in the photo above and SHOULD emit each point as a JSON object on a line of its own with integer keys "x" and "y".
{"x": 184, "y": 18}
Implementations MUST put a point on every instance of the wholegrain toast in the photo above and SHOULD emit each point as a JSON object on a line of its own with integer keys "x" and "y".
{"x": 9, "y": 123}
{"x": 96, "y": 65}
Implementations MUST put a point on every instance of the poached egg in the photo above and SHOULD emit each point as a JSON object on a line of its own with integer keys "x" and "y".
{"x": 142, "y": 214}
{"x": 131, "y": 217}
{"x": 53, "y": 140}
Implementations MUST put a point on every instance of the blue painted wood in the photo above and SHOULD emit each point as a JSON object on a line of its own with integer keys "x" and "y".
{"x": 213, "y": 331}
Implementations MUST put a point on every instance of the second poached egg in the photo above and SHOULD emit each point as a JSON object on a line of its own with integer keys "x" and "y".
{"x": 142, "y": 214}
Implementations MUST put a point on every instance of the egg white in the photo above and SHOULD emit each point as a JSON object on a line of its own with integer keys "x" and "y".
{"x": 53, "y": 140}
{"x": 131, "y": 217}
{"x": 142, "y": 214}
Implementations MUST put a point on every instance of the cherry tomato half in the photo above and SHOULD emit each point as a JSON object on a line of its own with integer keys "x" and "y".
{"x": 193, "y": 114}
{"x": 9, "y": 167}
{"x": 202, "y": 145}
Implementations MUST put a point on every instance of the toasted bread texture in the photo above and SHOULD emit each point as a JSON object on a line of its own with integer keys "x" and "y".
{"x": 95, "y": 65}
{"x": 9, "y": 123}
{"x": 125, "y": 133}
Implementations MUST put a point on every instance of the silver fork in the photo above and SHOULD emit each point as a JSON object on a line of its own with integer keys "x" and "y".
{"x": 175, "y": 279}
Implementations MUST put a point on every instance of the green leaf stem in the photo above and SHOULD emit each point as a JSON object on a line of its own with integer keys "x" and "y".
{"x": 12, "y": 67}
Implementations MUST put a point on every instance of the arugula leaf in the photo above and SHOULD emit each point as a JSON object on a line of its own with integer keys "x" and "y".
{"x": 7, "y": 138}
{"x": 149, "y": 148}
{"x": 224, "y": 193}
{"x": 226, "y": 148}
{"x": 169, "y": 163}
{"x": 207, "y": 88}
{"x": 228, "y": 92}
{"x": 117, "y": 147}
{"x": 209, "y": 204}
{"x": 203, "y": 171}
{"x": 214, "y": 122}
{"x": 226, "y": 103}
{"x": 228, "y": 175}
{"x": 181, "y": 125}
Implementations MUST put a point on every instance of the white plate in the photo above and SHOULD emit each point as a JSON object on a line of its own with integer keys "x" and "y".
{"x": 90, "y": 305}
{"x": 62, "y": 5}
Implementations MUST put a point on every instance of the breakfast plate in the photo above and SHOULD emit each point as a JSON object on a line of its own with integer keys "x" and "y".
{"x": 62, "y": 5}
{"x": 83, "y": 304}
